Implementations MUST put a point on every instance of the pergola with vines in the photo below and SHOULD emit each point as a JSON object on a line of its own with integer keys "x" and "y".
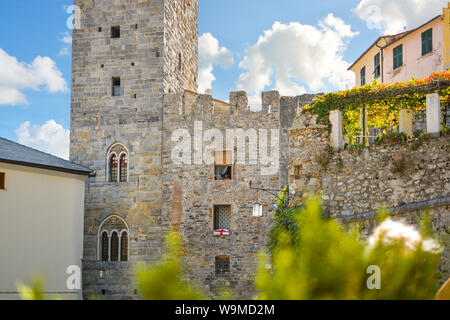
{"x": 380, "y": 102}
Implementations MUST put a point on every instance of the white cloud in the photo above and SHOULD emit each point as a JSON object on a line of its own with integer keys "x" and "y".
{"x": 66, "y": 38}
{"x": 51, "y": 138}
{"x": 391, "y": 17}
{"x": 17, "y": 76}
{"x": 291, "y": 57}
{"x": 210, "y": 55}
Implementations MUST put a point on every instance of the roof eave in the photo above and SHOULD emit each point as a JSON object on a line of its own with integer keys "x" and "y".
{"x": 41, "y": 166}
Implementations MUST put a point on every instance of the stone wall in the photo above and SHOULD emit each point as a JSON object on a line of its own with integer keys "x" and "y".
{"x": 190, "y": 190}
{"x": 180, "y": 45}
{"x": 352, "y": 182}
{"x": 143, "y": 60}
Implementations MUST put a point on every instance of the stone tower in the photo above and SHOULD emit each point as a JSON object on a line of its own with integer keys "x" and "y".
{"x": 126, "y": 56}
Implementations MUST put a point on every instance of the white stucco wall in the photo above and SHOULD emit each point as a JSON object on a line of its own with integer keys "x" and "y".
{"x": 414, "y": 64}
{"x": 41, "y": 228}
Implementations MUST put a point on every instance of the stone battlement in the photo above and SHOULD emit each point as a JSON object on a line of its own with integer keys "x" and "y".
{"x": 191, "y": 106}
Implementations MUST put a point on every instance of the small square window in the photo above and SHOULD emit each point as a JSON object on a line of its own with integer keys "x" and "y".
{"x": 115, "y": 32}
{"x": 116, "y": 90}
{"x": 2, "y": 181}
{"x": 222, "y": 266}
{"x": 223, "y": 168}
{"x": 100, "y": 29}
{"x": 222, "y": 217}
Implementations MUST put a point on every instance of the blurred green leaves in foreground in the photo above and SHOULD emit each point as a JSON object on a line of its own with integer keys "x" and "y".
{"x": 164, "y": 280}
{"x": 312, "y": 257}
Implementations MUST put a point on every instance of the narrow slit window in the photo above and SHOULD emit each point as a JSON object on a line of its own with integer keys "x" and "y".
{"x": 222, "y": 266}
{"x": 2, "y": 181}
{"x": 223, "y": 168}
{"x": 115, "y": 32}
{"x": 116, "y": 88}
{"x": 297, "y": 172}
{"x": 363, "y": 76}
{"x": 180, "y": 61}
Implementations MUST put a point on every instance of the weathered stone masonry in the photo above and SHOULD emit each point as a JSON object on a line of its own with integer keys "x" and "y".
{"x": 153, "y": 33}
{"x": 156, "y": 60}
{"x": 356, "y": 182}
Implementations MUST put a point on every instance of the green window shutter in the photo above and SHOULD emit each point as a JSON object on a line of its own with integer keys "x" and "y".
{"x": 398, "y": 57}
{"x": 427, "y": 42}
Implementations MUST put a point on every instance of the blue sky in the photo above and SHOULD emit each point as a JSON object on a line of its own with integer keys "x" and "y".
{"x": 37, "y": 28}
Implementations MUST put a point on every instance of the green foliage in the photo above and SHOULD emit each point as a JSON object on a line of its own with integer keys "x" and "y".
{"x": 33, "y": 291}
{"x": 281, "y": 202}
{"x": 383, "y": 103}
{"x": 164, "y": 280}
{"x": 392, "y": 138}
{"x": 285, "y": 230}
{"x": 420, "y": 139}
{"x": 323, "y": 261}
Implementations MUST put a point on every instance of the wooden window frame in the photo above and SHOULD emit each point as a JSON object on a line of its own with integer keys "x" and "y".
{"x": 2, "y": 180}
{"x": 222, "y": 266}
{"x": 227, "y": 162}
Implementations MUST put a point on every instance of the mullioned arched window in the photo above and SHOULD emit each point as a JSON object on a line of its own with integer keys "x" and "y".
{"x": 117, "y": 163}
{"x": 113, "y": 237}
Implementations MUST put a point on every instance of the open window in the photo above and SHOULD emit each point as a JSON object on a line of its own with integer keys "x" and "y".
{"x": 223, "y": 169}
{"x": 115, "y": 32}
{"x": 116, "y": 91}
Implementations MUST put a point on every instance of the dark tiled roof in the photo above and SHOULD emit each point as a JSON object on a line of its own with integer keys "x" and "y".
{"x": 12, "y": 152}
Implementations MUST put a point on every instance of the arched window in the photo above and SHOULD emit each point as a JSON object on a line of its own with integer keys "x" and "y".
{"x": 113, "y": 237}
{"x": 124, "y": 246}
{"x": 117, "y": 164}
{"x": 114, "y": 247}
{"x": 123, "y": 168}
{"x": 113, "y": 168}
{"x": 105, "y": 246}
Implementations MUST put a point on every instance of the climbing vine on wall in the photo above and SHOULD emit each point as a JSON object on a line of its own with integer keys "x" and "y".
{"x": 383, "y": 102}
